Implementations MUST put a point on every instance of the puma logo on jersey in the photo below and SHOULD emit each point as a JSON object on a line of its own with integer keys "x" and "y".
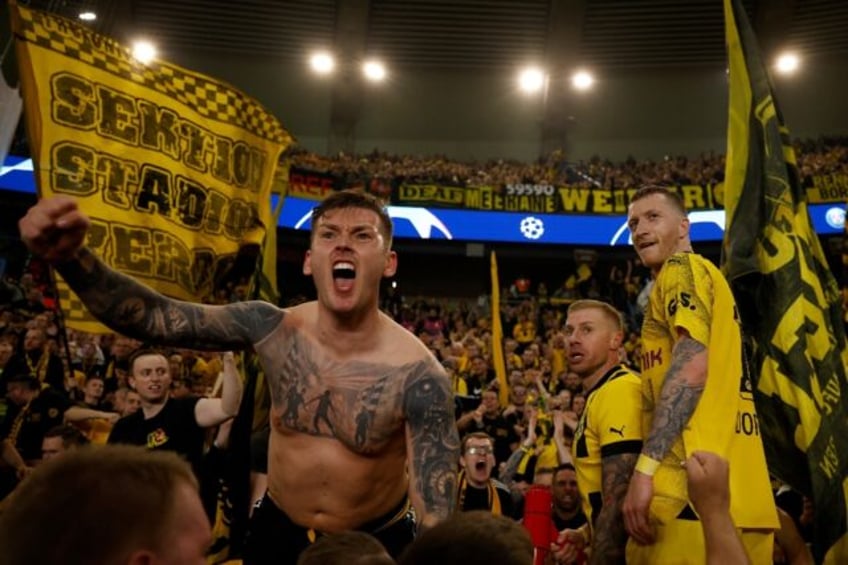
{"x": 619, "y": 431}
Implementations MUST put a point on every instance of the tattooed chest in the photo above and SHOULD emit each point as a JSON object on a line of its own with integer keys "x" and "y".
{"x": 363, "y": 412}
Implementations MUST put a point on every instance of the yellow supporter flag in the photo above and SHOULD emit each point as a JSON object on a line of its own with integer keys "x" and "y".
{"x": 788, "y": 298}
{"x": 497, "y": 335}
{"x": 174, "y": 168}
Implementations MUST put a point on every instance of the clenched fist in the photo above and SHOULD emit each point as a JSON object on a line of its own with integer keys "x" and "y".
{"x": 54, "y": 229}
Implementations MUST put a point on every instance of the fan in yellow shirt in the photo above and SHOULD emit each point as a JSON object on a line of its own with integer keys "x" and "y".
{"x": 696, "y": 395}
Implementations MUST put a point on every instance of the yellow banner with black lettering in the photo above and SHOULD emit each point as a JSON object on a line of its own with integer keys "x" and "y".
{"x": 789, "y": 300}
{"x": 174, "y": 168}
{"x": 550, "y": 199}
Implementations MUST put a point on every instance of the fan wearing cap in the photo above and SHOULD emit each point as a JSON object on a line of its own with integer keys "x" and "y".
{"x": 477, "y": 489}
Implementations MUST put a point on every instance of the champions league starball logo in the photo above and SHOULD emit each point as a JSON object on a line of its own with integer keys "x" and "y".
{"x": 532, "y": 228}
{"x": 835, "y": 217}
{"x": 715, "y": 217}
{"x": 423, "y": 221}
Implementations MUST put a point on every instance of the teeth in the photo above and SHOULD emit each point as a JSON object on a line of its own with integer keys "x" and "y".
{"x": 343, "y": 265}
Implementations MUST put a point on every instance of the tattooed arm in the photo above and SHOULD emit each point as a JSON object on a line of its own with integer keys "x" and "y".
{"x": 684, "y": 382}
{"x": 432, "y": 442}
{"x": 135, "y": 310}
{"x": 610, "y": 537}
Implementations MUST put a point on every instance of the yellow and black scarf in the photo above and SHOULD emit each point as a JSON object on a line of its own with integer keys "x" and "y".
{"x": 19, "y": 420}
{"x": 494, "y": 500}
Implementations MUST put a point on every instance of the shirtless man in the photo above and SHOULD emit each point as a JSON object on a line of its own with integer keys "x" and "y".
{"x": 322, "y": 478}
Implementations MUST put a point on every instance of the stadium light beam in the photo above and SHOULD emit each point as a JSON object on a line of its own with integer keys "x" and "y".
{"x": 531, "y": 80}
{"x": 582, "y": 80}
{"x": 322, "y": 63}
{"x": 144, "y": 51}
{"x": 787, "y": 63}
{"x": 87, "y": 16}
{"x": 374, "y": 71}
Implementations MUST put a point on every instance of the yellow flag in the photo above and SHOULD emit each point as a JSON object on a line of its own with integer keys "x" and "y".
{"x": 174, "y": 168}
{"x": 788, "y": 298}
{"x": 497, "y": 335}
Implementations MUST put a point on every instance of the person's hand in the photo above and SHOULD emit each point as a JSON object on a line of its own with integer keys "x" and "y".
{"x": 23, "y": 472}
{"x": 531, "y": 428}
{"x": 559, "y": 424}
{"x": 636, "y": 508}
{"x": 478, "y": 414}
{"x": 509, "y": 410}
{"x": 113, "y": 417}
{"x": 570, "y": 419}
{"x": 575, "y": 538}
{"x": 566, "y": 549}
{"x": 54, "y": 229}
{"x": 708, "y": 484}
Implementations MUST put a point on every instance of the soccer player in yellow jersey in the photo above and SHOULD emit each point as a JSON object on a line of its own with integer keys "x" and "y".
{"x": 696, "y": 396}
{"x": 608, "y": 438}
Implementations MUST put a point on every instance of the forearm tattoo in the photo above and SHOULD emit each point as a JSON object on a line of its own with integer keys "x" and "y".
{"x": 678, "y": 400}
{"x": 135, "y": 310}
{"x": 610, "y": 537}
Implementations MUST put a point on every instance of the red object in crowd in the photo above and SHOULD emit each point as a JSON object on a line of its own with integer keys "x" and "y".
{"x": 538, "y": 506}
{"x": 537, "y": 520}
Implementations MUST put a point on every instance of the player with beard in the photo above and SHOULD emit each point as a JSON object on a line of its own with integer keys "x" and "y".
{"x": 697, "y": 395}
{"x": 393, "y": 436}
{"x": 608, "y": 438}
{"x": 567, "y": 514}
{"x": 477, "y": 489}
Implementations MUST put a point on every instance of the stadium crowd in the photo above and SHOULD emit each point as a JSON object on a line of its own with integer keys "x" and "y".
{"x": 376, "y": 170}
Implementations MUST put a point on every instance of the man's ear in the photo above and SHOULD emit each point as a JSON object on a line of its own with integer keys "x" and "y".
{"x": 307, "y": 264}
{"x": 683, "y": 229}
{"x": 391, "y": 265}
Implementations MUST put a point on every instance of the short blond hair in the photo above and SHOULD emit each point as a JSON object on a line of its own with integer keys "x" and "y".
{"x": 608, "y": 310}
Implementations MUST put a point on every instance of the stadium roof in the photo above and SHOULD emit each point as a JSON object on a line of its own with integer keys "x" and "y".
{"x": 471, "y": 34}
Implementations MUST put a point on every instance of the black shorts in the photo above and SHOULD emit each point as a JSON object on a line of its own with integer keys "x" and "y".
{"x": 272, "y": 537}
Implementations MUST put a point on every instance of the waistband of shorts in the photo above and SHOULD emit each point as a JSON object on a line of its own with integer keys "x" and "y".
{"x": 390, "y": 518}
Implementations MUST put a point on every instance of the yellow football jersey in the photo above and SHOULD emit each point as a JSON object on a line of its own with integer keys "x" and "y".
{"x": 691, "y": 294}
{"x": 610, "y": 424}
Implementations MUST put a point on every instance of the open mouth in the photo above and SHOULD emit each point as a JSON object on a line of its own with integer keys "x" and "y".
{"x": 575, "y": 357}
{"x": 344, "y": 270}
{"x": 480, "y": 465}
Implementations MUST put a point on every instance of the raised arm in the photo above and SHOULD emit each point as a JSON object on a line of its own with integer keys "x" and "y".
{"x": 432, "y": 442}
{"x": 212, "y": 411}
{"x": 55, "y": 230}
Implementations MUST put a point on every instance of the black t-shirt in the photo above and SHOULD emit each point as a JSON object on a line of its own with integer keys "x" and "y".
{"x": 478, "y": 499}
{"x": 572, "y": 523}
{"x": 174, "y": 428}
{"x": 46, "y": 411}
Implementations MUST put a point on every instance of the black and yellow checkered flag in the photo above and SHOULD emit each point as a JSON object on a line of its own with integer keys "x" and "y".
{"x": 789, "y": 300}
{"x": 74, "y": 312}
